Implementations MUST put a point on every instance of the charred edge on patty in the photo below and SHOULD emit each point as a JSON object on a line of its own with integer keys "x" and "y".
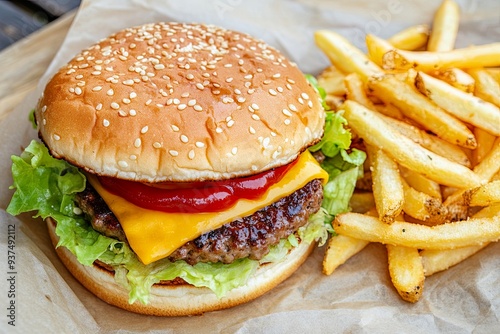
{"x": 250, "y": 236}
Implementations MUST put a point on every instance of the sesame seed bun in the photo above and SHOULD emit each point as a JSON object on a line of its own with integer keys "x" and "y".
{"x": 179, "y": 102}
{"x": 179, "y": 300}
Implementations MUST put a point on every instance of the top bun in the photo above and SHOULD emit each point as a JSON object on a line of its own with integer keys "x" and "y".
{"x": 179, "y": 102}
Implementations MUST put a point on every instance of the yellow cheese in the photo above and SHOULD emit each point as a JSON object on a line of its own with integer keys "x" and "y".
{"x": 154, "y": 235}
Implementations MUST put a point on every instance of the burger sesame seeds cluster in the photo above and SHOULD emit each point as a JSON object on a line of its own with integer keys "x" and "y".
{"x": 179, "y": 102}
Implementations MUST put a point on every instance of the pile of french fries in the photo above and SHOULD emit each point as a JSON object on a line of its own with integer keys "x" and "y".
{"x": 428, "y": 117}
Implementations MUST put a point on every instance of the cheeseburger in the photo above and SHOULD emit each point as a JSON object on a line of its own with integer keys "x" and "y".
{"x": 173, "y": 170}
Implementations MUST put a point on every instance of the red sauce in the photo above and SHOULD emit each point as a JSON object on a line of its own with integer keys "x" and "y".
{"x": 194, "y": 197}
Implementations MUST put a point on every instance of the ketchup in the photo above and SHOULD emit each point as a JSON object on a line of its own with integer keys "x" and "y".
{"x": 194, "y": 197}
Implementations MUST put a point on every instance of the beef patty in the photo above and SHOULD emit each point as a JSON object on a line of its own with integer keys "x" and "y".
{"x": 250, "y": 236}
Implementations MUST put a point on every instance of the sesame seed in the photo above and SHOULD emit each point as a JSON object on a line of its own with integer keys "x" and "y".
{"x": 78, "y": 91}
{"x": 286, "y": 112}
{"x": 105, "y": 122}
{"x": 133, "y": 95}
{"x": 199, "y": 86}
{"x": 191, "y": 102}
{"x": 175, "y": 128}
{"x": 304, "y": 96}
{"x": 290, "y": 81}
{"x": 300, "y": 100}
{"x": 148, "y": 102}
{"x": 272, "y": 92}
{"x": 98, "y": 107}
{"x": 230, "y": 123}
{"x": 197, "y": 107}
{"x": 133, "y": 157}
{"x": 129, "y": 82}
{"x": 115, "y": 105}
{"x": 159, "y": 67}
{"x": 292, "y": 107}
{"x": 184, "y": 139}
{"x": 145, "y": 129}
{"x": 79, "y": 76}
{"x": 170, "y": 101}
{"x": 279, "y": 89}
{"x": 276, "y": 76}
{"x": 132, "y": 112}
{"x": 191, "y": 154}
{"x": 137, "y": 142}
{"x": 288, "y": 86}
{"x": 97, "y": 88}
{"x": 56, "y": 137}
{"x": 234, "y": 150}
{"x": 255, "y": 106}
{"x": 216, "y": 92}
{"x": 122, "y": 164}
{"x": 251, "y": 91}
{"x": 241, "y": 99}
{"x": 156, "y": 144}
{"x": 122, "y": 113}
{"x": 110, "y": 92}
{"x": 266, "y": 142}
{"x": 248, "y": 76}
{"x": 126, "y": 101}
{"x": 181, "y": 106}
{"x": 229, "y": 79}
{"x": 309, "y": 104}
{"x": 237, "y": 91}
{"x": 199, "y": 144}
{"x": 96, "y": 73}
{"x": 255, "y": 117}
{"x": 251, "y": 130}
{"x": 185, "y": 94}
{"x": 44, "y": 108}
{"x": 287, "y": 121}
{"x": 71, "y": 90}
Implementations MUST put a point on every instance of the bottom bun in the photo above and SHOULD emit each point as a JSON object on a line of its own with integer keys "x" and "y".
{"x": 184, "y": 299}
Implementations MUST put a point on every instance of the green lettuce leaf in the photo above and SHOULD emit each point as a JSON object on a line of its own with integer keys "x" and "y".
{"x": 48, "y": 186}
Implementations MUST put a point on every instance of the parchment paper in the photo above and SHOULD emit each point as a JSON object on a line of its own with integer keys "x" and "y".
{"x": 358, "y": 297}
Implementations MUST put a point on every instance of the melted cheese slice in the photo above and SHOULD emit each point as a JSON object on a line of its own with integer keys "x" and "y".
{"x": 154, "y": 235}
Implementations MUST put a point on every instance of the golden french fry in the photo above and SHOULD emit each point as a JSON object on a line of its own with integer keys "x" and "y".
{"x": 377, "y": 48}
{"x": 430, "y": 142}
{"x": 457, "y": 234}
{"x": 444, "y": 27}
{"x": 457, "y": 78}
{"x": 466, "y": 107}
{"x": 345, "y": 56}
{"x": 489, "y": 166}
{"x": 386, "y": 184}
{"x": 340, "y": 248}
{"x": 494, "y": 72}
{"x": 486, "y": 86}
{"x": 361, "y": 201}
{"x": 485, "y": 141}
{"x": 486, "y": 55}
{"x": 390, "y": 111}
{"x": 334, "y": 101}
{"x": 418, "y": 108}
{"x": 411, "y": 38}
{"x": 375, "y": 131}
{"x": 423, "y": 207}
{"x": 484, "y": 195}
{"x": 406, "y": 271}
{"x": 355, "y": 90}
{"x": 438, "y": 260}
{"x": 332, "y": 81}
{"x": 421, "y": 183}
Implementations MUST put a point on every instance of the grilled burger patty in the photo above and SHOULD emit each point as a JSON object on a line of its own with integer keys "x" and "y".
{"x": 250, "y": 236}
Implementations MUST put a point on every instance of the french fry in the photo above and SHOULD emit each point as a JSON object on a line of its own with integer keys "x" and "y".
{"x": 438, "y": 260}
{"x": 430, "y": 142}
{"x": 334, "y": 101}
{"x": 421, "y": 183}
{"x": 457, "y": 78}
{"x": 377, "y": 48}
{"x": 372, "y": 128}
{"x": 355, "y": 90}
{"x": 466, "y": 107}
{"x": 444, "y": 27}
{"x": 486, "y": 86}
{"x": 418, "y": 108}
{"x": 484, "y": 195}
{"x": 411, "y": 38}
{"x": 387, "y": 185}
{"x": 486, "y": 55}
{"x": 494, "y": 72}
{"x": 340, "y": 248}
{"x": 390, "y": 111}
{"x": 489, "y": 166}
{"x": 423, "y": 207}
{"x": 346, "y": 56}
{"x": 406, "y": 271}
{"x": 485, "y": 141}
{"x": 458, "y": 234}
{"x": 361, "y": 201}
{"x": 332, "y": 81}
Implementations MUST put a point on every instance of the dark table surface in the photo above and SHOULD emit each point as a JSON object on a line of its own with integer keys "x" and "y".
{"x": 19, "y": 18}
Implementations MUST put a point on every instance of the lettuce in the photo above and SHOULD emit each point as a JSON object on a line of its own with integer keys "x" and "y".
{"x": 48, "y": 186}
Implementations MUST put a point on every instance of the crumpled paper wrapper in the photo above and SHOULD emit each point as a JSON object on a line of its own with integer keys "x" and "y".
{"x": 358, "y": 297}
